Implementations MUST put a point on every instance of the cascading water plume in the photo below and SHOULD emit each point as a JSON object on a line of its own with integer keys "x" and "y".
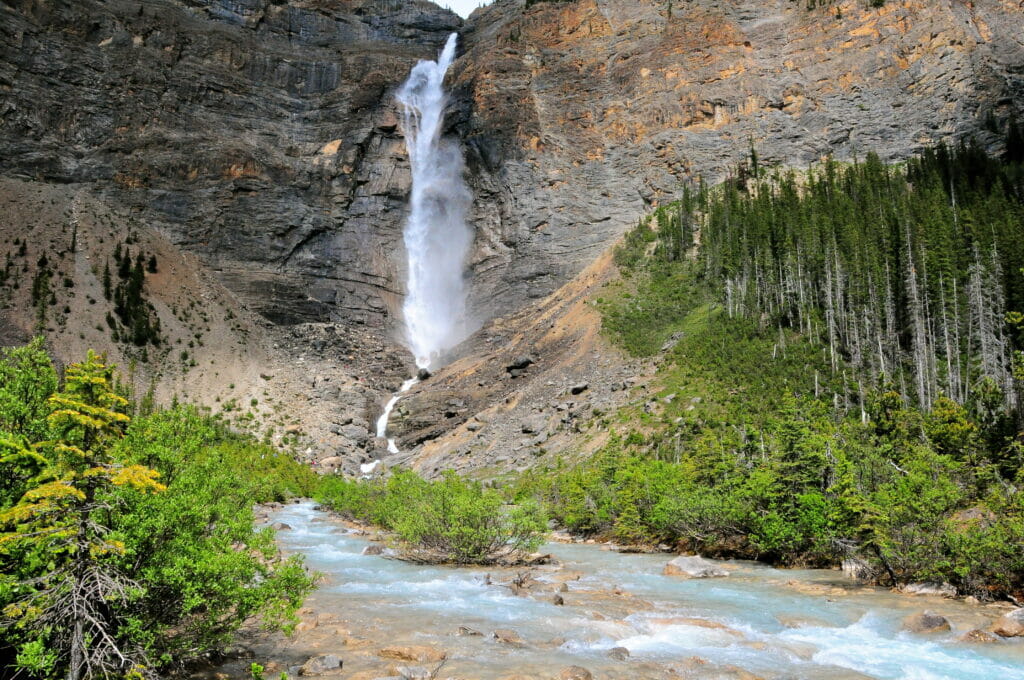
{"x": 437, "y": 236}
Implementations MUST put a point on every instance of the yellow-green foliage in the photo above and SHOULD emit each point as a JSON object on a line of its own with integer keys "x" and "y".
{"x": 130, "y": 545}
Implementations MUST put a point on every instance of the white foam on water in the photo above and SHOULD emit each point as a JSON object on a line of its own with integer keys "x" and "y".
{"x": 401, "y": 595}
{"x": 864, "y": 647}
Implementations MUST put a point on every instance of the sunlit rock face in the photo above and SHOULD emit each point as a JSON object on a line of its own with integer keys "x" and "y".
{"x": 263, "y": 136}
{"x": 586, "y": 112}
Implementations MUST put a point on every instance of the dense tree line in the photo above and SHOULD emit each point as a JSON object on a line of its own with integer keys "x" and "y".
{"x": 127, "y": 545}
{"x": 841, "y": 374}
{"x": 904, "y": 274}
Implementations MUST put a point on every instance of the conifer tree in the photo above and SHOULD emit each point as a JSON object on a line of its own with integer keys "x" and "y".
{"x": 77, "y": 609}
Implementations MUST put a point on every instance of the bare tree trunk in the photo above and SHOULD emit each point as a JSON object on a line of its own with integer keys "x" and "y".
{"x": 77, "y": 654}
{"x": 919, "y": 337}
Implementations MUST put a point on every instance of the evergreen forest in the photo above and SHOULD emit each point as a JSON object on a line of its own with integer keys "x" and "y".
{"x": 841, "y": 367}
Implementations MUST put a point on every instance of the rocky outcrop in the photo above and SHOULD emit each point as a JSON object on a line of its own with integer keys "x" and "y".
{"x": 475, "y": 415}
{"x": 260, "y": 135}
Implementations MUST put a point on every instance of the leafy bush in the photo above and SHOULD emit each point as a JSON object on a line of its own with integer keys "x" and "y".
{"x": 450, "y": 520}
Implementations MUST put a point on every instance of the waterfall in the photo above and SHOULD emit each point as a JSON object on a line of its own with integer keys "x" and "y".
{"x": 382, "y": 422}
{"x": 437, "y": 236}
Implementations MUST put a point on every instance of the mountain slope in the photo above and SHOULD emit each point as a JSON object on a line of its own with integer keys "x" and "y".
{"x": 258, "y": 141}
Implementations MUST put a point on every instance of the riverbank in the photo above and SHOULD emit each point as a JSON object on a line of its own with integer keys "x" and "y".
{"x": 615, "y": 615}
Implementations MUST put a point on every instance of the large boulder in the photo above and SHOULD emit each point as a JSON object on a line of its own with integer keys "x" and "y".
{"x": 693, "y": 566}
{"x": 926, "y": 622}
{"x": 320, "y": 664}
{"x": 1010, "y": 625}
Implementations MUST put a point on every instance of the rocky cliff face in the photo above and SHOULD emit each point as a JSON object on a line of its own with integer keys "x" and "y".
{"x": 257, "y": 141}
{"x": 256, "y": 134}
{"x": 595, "y": 109}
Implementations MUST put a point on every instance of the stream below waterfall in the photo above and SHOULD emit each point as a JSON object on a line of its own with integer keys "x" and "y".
{"x": 757, "y": 622}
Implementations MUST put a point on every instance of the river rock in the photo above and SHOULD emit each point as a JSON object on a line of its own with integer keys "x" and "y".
{"x": 933, "y": 589}
{"x": 558, "y": 600}
{"x": 412, "y": 672}
{"x": 519, "y": 363}
{"x": 466, "y": 631}
{"x": 1010, "y": 625}
{"x": 926, "y": 622}
{"x": 280, "y": 526}
{"x": 420, "y": 653}
{"x": 575, "y": 673}
{"x": 618, "y": 653}
{"x": 320, "y": 664}
{"x": 693, "y": 566}
{"x": 978, "y": 637}
{"x": 373, "y": 549}
{"x": 508, "y": 637}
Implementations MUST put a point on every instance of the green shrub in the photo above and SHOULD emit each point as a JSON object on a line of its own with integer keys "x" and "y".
{"x": 182, "y": 564}
{"x": 450, "y": 520}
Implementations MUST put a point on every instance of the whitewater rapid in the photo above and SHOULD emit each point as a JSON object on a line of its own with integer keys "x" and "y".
{"x": 776, "y": 624}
